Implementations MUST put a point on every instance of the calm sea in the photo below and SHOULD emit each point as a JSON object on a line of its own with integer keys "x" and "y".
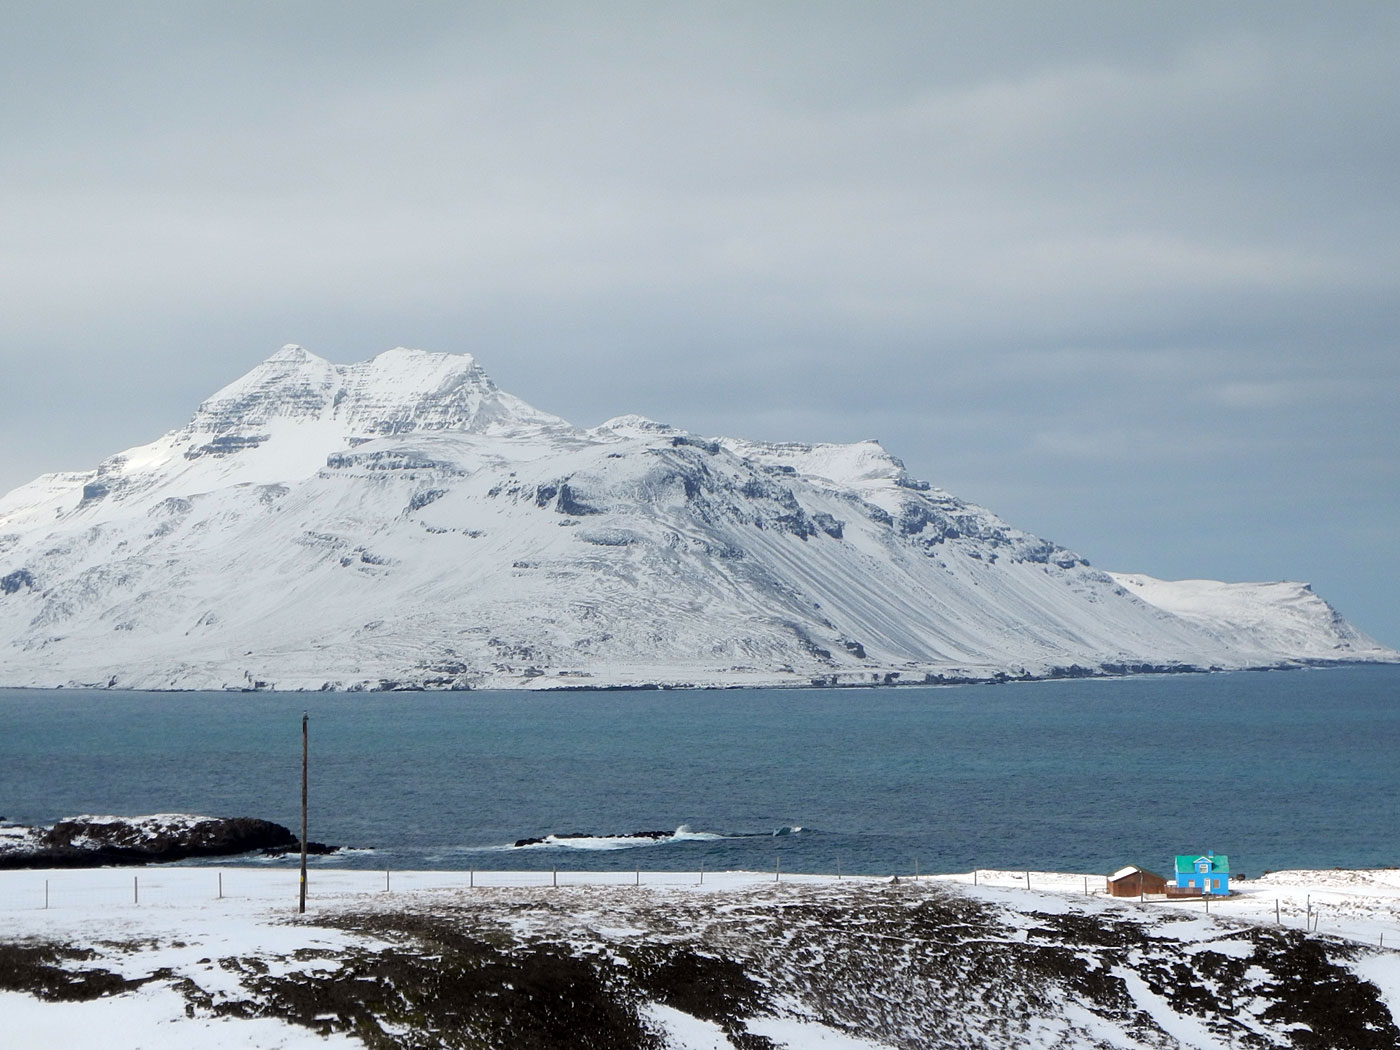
{"x": 1277, "y": 769}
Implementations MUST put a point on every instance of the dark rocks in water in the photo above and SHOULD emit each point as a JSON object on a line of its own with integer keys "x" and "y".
{"x": 315, "y": 849}
{"x": 542, "y": 840}
{"x": 89, "y": 842}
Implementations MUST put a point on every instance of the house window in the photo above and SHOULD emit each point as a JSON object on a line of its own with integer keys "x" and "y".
{"x": 1215, "y": 884}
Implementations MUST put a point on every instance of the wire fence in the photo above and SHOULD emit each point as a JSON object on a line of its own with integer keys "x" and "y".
{"x": 90, "y": 888}
{"x": 103, "y": 890}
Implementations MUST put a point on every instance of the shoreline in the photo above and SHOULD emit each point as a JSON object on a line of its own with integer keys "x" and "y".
{"x": 845, "y": 680}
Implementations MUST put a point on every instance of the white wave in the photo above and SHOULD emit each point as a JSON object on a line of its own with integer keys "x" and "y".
{"x": 616, "y": 842}
{"x": 684, "y": 834}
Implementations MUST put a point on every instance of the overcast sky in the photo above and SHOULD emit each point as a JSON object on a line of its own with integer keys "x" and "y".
{"x": 1125, "y": 273}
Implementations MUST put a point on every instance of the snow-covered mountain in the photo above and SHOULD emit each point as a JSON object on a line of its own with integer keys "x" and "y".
{"x": 403, "y": 522}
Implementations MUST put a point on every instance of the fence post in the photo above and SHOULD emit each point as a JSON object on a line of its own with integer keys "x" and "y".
{"x": 555, "y": 875}
{"x": 221, "y": 885}
{"x": 471, "y": 879}
{"x": 386, "y": 880}
{"x": 838, "y": 866}
{"x": 46, "y": 894}
{"x": 702, "y": 873}
{"x": 639, "y": 875}
{"x": 778, "y": 869}
{"x": 135, "y": 889}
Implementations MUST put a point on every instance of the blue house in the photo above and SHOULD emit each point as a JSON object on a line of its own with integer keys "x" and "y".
{"x": 1209, "y": 874}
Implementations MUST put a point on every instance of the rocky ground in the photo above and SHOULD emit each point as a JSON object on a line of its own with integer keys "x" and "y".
{"x": 740, "y": 962}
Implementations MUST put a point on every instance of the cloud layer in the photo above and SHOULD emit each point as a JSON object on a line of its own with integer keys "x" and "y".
{"x": 1126, "y": 275}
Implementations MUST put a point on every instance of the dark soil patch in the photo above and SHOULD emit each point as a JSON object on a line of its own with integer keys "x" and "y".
{"x": 39, "y": 970}
{"x": 445, "y": 988}
{"x": 705, "y": 986}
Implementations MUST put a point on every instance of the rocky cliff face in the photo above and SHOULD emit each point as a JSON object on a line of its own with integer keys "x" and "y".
{"x": 403, "y": 523}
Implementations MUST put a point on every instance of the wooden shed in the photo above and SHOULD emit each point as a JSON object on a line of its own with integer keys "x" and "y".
{"x": 1133, "y": 881}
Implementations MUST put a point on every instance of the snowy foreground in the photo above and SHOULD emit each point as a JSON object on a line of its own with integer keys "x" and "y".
{"x": 202, "y": 957}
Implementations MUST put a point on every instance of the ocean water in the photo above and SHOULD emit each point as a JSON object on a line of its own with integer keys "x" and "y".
{"x": 1277, "y": 769}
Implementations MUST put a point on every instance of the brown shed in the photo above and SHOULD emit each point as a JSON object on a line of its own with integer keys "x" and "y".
{"x": 1133, "y": 881}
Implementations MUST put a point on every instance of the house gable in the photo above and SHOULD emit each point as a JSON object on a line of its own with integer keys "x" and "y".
{"x": 1186, "y": 864}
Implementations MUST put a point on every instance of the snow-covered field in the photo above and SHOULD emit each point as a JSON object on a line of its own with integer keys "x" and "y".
{"x": 204, "y": 957}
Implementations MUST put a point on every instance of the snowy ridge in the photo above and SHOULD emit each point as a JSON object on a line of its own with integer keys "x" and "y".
{"x": 403, "y": 523}
{"x": 1284, "y": 616}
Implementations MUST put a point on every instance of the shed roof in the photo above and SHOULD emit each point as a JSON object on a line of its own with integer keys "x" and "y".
{"x": 1131, "y": 869}
{"x": 1186, "y": 863}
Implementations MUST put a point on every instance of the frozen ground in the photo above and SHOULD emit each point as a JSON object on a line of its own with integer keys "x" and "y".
{"x": 157, "y": 957}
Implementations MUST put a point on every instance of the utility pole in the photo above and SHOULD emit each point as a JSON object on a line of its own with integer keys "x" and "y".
{"x": 302, "y": 907}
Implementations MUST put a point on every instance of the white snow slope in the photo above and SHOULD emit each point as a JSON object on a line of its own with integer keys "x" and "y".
{"x": 403, "y": 523}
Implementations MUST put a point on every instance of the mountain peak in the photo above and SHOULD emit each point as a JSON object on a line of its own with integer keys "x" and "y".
{"x": 633, "y": 425}
{"x": 293, "y": 352}
{"x": 399, "y": 390}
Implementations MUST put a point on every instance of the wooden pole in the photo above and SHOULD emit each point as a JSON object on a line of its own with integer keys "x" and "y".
{"x": 301, "y": 907}
{"x": 778, "y": 869}
{"x": 46, "y": 894}
{"x": 221, "y": 885}
{"x": 135, "y": 889}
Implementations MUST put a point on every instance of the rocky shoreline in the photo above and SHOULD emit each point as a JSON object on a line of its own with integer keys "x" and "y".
{"x": 92, "y": 842}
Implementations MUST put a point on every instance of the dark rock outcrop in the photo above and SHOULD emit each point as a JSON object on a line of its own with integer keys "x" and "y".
{"x": 89, "y": 842}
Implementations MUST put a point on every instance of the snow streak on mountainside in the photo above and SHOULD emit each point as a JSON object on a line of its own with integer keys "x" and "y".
{"x": 404, "y": 523}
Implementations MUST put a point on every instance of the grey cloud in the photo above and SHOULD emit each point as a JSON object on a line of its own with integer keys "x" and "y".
{"x": 1042, "y": 252}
